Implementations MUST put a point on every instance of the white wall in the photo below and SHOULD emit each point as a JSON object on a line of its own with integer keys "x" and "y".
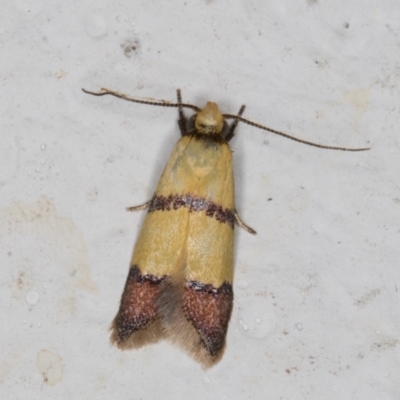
{"x": 316, "y": 313}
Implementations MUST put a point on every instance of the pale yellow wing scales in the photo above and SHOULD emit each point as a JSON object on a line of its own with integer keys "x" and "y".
{"x": 209, "y": 251}
{"x": 199, "y": 168}
{"x": 191, "y": 240}
{"x": 160, "y": 243}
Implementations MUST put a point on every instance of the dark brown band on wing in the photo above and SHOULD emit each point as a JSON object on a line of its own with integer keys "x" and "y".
{"x": 137, "y": 307}
{"x": 209, "y": 309}
{"x": 193, "y": 203}
{"x": 208, "y": 139}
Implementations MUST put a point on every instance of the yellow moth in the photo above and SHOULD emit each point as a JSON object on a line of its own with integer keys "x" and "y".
{"x": 179, "y": 284}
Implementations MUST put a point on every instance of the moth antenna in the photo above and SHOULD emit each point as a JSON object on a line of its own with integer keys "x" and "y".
{"x": 162, "y": 103}
{"x": 321, "y": 146}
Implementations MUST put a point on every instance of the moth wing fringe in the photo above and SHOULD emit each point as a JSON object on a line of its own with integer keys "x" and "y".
{"x": 151, "y": 334}
{"x": 177, "y": 327}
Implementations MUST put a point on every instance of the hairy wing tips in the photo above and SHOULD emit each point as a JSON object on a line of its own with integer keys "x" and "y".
{"x": 136, "y": 322}
{"x": 209, "y": 310}
{"x": 196, "y": 317}
{"x": 181, "y": 332}
{"x": 191, "y": 314}
{"x": 151, "y": 333}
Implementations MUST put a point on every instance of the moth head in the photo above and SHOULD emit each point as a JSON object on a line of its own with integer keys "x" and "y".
{"x": 209, "y": 120}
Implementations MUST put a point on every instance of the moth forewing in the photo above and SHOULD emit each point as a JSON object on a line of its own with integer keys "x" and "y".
{"x": 179, "y": 284}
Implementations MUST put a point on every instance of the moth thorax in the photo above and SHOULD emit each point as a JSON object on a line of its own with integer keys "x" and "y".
{"x": 209, "y": 120}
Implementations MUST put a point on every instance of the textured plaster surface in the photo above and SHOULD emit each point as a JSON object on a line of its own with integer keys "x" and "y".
{"x": 316, "y": 312}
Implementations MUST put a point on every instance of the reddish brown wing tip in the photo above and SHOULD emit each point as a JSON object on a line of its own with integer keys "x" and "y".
{"x": 136, "y": 321}
{"x": 193, "y": 314}
{"x": 209, "y": 310}
{"x": 151, "y": 334}
{"x": 196, "y": 316}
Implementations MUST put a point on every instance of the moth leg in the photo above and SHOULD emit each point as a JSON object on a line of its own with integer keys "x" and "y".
{"x": 231, "y": 132}
{"x": 182, "y": 120}
{"x": 140, "y": 207}
{"x": 242, "y": 224}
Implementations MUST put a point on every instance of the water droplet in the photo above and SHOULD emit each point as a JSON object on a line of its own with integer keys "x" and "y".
{"x": 250, "y": 320}
{"x": 37, "y": 169}
{"x": 43, "y": 146}
{"x": 299, "y": 326}
{"x": 32, "y": 297}
{"x": 39, "y": 325}
{"x": 243, "y": 325}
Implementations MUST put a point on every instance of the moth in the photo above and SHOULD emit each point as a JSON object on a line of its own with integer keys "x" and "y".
{"x": 179, "y": 284}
